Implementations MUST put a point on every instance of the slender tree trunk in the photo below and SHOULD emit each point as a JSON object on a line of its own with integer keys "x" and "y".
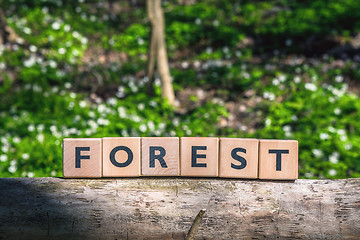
{"x": 157, "y": 51}
{"x": 152, "y": 47}
{"x": 7, "y": 34}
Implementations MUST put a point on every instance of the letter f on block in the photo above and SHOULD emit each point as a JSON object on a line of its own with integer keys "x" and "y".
{"x": 78, "y": 155}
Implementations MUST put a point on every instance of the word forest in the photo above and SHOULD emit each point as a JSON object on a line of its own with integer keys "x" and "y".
{"x": 187, "y": 156}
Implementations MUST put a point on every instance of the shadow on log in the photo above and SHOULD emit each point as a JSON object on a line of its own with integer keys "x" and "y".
{"x": 164, "y": 208}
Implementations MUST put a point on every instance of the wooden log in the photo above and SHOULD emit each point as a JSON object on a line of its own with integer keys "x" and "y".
{"x": 164, "y": 208}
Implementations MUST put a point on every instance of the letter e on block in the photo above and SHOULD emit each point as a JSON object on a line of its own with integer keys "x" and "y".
{"x": 121, "y": 157}
{"x": 160, "y": 156}
{"x": 82, "y": 157}
{"x": 239, "y": 158}
{"x": 199, "y": 156}
{"x": 278, "y": 159}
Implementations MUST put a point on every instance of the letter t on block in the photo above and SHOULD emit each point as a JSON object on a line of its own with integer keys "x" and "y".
{"x": 82, "y": 157}
{"x": 278, "y": 159}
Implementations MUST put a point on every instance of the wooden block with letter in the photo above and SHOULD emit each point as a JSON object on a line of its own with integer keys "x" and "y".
{"x": 82, "y": 157}
{"x": 238, "y": 158}
{"x": 199, "y": 156}
{"x": 160, "y": 156}
{"x": 121, "y": 157}
{"x": 278, "y": 159}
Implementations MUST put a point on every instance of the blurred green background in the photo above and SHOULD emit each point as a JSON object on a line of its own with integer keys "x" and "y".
{"x": 280, "y": 69}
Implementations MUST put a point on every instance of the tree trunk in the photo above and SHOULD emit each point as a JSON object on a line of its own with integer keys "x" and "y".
{"x": 7, "y": 34}
{"x": 157, "y": 51}
{"x": 165, "y": 208}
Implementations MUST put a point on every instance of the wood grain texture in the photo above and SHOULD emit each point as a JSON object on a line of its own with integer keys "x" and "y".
{"x": 164, "y": 208}
{"x": 268, "y": 164}
{"x": 170, "y": 160}
{"x": 246, "y": 148}
{"x": 206, "y": 156}
{"x": 112, "y": 144}
{"x": 90, "y": 151}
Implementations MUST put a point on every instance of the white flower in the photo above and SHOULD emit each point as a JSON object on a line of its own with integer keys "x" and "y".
{"x": 122, "y": 112}
{"x": 32, "y": 48}
{"x": 52, "y": 64}
{"x": 331, "y": 129}
{"x": 83, "y": 104}
{"x": 30, "y": 62}
{"x": 5, "y": 148}
{"x": 140, "y": 41}
{"x": 92, "y": 114}
{"x": 62, "y": 51}
{"x": 67, "y": 85}
{"x": 30, "y": 174}
{"x": 40, "y": 138}
{"x": 111, "y": 101}
{"x": 3, "y": 158}
{"x": 337, "y": 111}
{"x": 16, "y": 139}
{"x": 294, "y": 118}
{"x": 141, "y": 106}
{"x": 143, "y": 128}
{"x": 198, "y": 21}
{"x": 311, "y": 87}
{"x": 275, "y": 82}
{"x": 197, "y": 64}
{"x": 341, "y": 132}
{"x": 216, "y": 23}
{"x": 267, "y": 122}
{"x": 102, "y": 121}
{"x": 120, "y": 92}
{"x": 269, "y": 95}
{"x": 185, "y": 65}
{"x": 334, "y": 157}
{"x": 31, "y": 128}
{"x": 27, "y": 30}
{"x": 282, "y": 78}
{"x": 12, "y": 169}
{"x": 317, "y": 152}
{"x": 56, "y": 25}
{"x": 348, "y": 146}
{"x": 332, "y": 172}
{"x": 324, "y": 136}
{"x": 72, "y": 95}
{"x": 53, "y": 173}
{"x": 151, "y": 125}
{"x": 339, "y": 78}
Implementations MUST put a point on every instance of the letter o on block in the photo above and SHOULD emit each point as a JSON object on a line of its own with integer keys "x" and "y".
{"x": 121, "y": 157}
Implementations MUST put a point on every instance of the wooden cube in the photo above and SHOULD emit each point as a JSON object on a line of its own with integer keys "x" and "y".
{"x": 278, "y": 159}
{"x": 199, "y": 156}
{"x": 238, "y": 158}
{"x": 160, "y": 156}
{"x": 82, "y": 157}
{"x": 121, "y": 157}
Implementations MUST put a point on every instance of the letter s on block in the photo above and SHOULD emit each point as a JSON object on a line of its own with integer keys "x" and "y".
{"x": 238, "y": 158}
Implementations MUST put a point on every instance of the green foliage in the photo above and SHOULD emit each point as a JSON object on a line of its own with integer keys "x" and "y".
{"x": 50, "y": 89}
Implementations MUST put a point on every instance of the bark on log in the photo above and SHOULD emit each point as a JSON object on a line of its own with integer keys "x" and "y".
{"x": 164, "y": 208}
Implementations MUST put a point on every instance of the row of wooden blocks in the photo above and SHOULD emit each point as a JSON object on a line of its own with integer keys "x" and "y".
{"x": 187, "y": 156}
